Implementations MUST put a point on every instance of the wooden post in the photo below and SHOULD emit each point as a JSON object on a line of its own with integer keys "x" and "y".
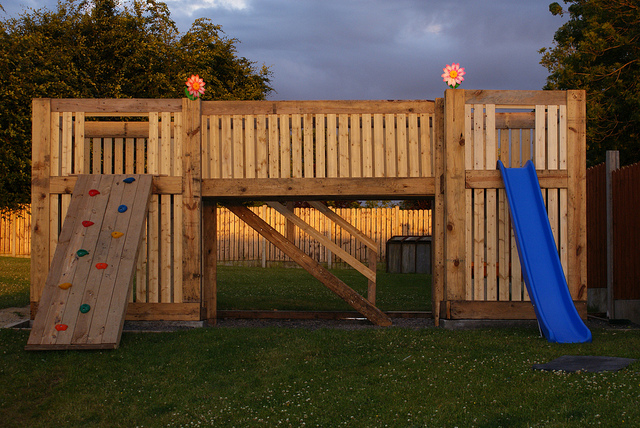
{"x": 210, "y": 261}
{"x": 191, "y": 202}
{"x": 454, "y": 196}
{"x": 40, "y": 172}
{"x": 612, "y": 162}
{"x": 577, "y": 194}
{"x": 438, "y": 230}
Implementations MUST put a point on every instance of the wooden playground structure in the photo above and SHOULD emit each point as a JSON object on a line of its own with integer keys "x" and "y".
{"x": 204, "y": 153}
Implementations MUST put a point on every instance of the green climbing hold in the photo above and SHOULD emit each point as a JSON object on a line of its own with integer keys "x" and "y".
{"x": 82, "y": 253}
{"x": 85, "y": 308}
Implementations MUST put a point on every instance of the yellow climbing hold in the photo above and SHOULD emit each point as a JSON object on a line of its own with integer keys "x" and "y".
{"x": 65, "y": 285}
{"x": 116, "y": 234}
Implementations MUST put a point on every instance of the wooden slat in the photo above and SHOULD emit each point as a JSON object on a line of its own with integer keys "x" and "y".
{"x": 413, "y": 146}
{"x": 355, "y": 149}
{"x": 238, "y": 146}
{"x": 367, "y": 146}
{"x": 274, "y": 147}
{"x": 501, "y": 310}
{"x": 493, "y": 179}
{"x": 332, "y": 146}
{"x": 321, "y": 146}
{"x": 521, "y": 99}
{"x": 285, "y": 146}
{"x": 331, "y": 215}
{"x": 308, "y": 147}
{"x": 390, "y": 146}
{"x": 356, "y": 301}
{"x": 378, "y": 146}
{"x": 427, "y": 148}
{"x": 249, "y": 147}
{"x": 262, "y": 147}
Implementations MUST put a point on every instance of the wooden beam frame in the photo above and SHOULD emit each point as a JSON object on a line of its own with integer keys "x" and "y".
{"x": 332, "y": 282}
{"x": 318, "y": 188}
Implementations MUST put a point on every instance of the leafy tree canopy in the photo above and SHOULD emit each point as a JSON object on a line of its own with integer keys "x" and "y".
{"x": 598, "y": 50}
{"x": 106, "y": 49}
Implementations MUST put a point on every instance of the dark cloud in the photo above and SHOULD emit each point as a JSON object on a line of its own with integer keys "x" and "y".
{"x": 379, "y": 49}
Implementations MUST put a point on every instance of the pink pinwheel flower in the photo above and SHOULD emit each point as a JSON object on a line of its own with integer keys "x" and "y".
{"x": 453, "y": 75}
{"x": 195, "y": 86}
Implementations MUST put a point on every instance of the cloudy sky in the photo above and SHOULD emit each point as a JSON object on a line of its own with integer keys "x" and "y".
{"x": 376, "y": 49}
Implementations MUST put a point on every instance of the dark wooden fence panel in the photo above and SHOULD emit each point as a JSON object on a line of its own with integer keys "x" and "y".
{"x": 596, "y": 227}
{"x": 626, "y": 235}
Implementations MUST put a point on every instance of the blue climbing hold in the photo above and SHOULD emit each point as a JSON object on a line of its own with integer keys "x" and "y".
{"x": 122, "y": 208}
{"x": 129, "y": 180}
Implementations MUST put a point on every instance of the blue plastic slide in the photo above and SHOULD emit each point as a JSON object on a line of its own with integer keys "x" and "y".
{"x": 557, "y": 315}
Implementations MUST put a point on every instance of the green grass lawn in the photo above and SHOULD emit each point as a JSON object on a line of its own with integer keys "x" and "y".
{"x": 268, "y": 377}
{"x": 296, "y": 289}
{"x": 14, "y": 282}
{"x": 296, "y": 377}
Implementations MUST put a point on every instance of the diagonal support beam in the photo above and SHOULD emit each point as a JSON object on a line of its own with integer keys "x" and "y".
{"x": 354, "y": 299}
{"x": 337, "y": 250}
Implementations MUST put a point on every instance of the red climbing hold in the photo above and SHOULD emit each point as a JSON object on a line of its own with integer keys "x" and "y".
{"x": 93, "y": 192}
{"x": 101, "y": 266}
{"x": 87, "y": 223}
{"x": 61, "y": 327}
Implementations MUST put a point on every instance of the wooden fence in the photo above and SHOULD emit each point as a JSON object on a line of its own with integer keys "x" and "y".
{"x": 613, "y": 248}
{"x": 238, "y": 242}
{"x": 15, "y": 233}
{"x": 625, "y": 186}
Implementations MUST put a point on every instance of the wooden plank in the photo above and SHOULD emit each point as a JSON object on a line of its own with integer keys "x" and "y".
{"x": 548, "y": 179}
{"x": 390, "y": 146}
{"x": 540, "y": 153}
{"x": 332, "y": 146}
{"x": 427, "y": 145}
{"x": 438, "y": 244}
{"x": 274, "y": 147}
{"x": 176, "y": 171}
{"x": 314, "y": 107}
{"x": 285, "y": 146}
{"x": 355, "y": 148}
{"x": 249, "y": 147}
{"x": 354, "y": 299}
{"x": 327, "y": 188}
{"x": 576, "y": 193}
{"x": 166, "y": 251}
{"x": 367, "y": 146}
{"x": 501, "y": 310}
{"x": 226, "y": 148}
{"x": 378, "y": 146}
{"x": 262, "y": 147}
{"x": 491, "y": 244}
{"x": 308, "y": 146}
{"x": 343, "y": 146}
{"x": 216, "y": 145}
{"x": 192, "y": 199}
{"x": 402, "y": 146}
{"x": 455, "y": 210}
{"x": 336, "y": 249}
{"x": 321, "y": 145}
{"x": 413, "y": 147}
{"x": 163, "y": 312}
{"x": 515, "y": 98}
{"x": 41, "y": 139}
{"x": 478, "y": 244}
{"x": 296, "y": 145}
{"x": 210, "y": 260}
{"x": 237, "y": 147}
{"x": 115, "y": 107}
{"x": 504, "y": 236}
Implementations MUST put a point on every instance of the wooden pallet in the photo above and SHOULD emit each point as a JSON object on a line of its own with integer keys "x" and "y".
{"x": 105, "y": 289}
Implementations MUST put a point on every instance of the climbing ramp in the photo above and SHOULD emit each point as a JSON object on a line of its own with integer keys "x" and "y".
{"x": 84, "y": 300}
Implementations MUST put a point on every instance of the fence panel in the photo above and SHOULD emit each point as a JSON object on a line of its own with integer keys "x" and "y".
{"x": 596, "y": 227}
{"x": 626, "y": 233}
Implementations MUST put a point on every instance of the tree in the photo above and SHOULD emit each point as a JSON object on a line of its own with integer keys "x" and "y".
{"x": 598, "y": 50}
{"x": 106, "y": 49}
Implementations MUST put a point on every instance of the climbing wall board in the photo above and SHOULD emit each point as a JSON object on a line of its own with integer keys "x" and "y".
{"x": 85, "y": 297}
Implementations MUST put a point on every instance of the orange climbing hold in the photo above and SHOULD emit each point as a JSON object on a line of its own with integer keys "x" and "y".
{"x": 116, "y": 234}
{"x": 65, "y": 285}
